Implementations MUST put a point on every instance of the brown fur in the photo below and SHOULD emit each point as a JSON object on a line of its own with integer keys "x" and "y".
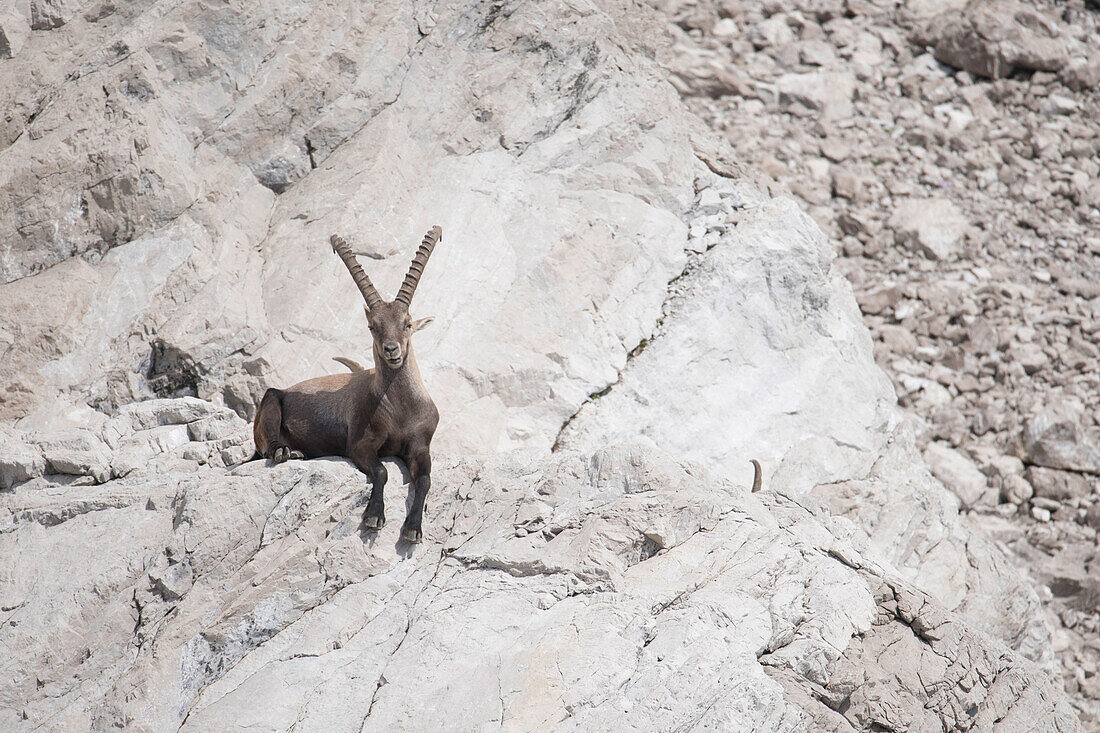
{"x": 365, "y": 415}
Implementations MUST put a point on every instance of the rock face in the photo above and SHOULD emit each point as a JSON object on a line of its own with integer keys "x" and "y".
{"x": 624, "y": 588}
{"x": 217, "y": 287}
{"x": 623, "y": 319}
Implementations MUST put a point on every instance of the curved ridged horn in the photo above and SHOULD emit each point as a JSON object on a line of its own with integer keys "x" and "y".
{"x": 416, "y": 269}
{"x": 366, "y": 287}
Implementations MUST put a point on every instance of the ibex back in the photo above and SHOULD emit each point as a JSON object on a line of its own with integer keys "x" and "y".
{"x": 365, "y": 415}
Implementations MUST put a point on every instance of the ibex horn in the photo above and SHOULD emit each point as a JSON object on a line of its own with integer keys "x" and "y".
{"x": 416, "y": 269}
{"x": 366, "y": 287}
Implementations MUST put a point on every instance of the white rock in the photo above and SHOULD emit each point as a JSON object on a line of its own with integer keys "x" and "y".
{"x": 1054, "y": 438}
{"x": 560, "y": 165}
{"x": 935, "y": 227}
{"x": 1015, "y": 489}
{"x": 1028, "y": 355}
{"x": 772, "y": 32}
{"x": 1057, "y": 104}
{"x": 957, "y": 472}
{"x": 14, "y": 30}
{"x": 19, "y": 460}
{"x": 76, "y": 453}
{"x": 829, "y": 92}
{"x": 269, "y": 610}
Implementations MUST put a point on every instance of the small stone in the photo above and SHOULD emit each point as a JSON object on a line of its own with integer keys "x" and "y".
{"x": 1056, "y": 104}
{"x": 835, "y": 149}
{"x": 933, "y": 226}
{"x": 771, "y": 33}
{"x": 898, "y": 339}
{"x": 725, "y": 28}
{"x": 880, "y": 299}
{"x": 1030, "y": 356}
{"x": 710, "y": 202}
{"x": 1057, "y": 485}
{"x": 1015, "y": 489}
{"x": 828, "y": 92}
{"x": 1083, "y": 74}
{"x": 846, "y": 184}
{"x": 817, "y": 53}
{"x": 1040, "y": 514}
{"x": 1054, "y": 438}
{"x": 957, "y": 472}
{"x": 1002, "y": 466}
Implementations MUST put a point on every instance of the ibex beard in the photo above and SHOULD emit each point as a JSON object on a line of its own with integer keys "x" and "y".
{"x": 369, "y": 414}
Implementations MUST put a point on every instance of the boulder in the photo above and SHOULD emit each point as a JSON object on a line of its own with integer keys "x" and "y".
{"x": 1055, "y": 438}
{"x": 993, "y": 39}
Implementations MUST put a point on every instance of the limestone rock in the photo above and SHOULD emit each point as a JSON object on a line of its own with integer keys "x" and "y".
{"x": 169, "y": 182}
{"x": 14, "y": 29}
{"x": 934, "y": 227}
{"x": 19, "y": 460}
{"x": 957, "y": 472}
{"x": 223, "y": 295}
{"x": 1054, "y": 438}
{"x": 77, "y": 453}
{"x": 994, "y": 38}
{"x": 1058, "y": 485}
{"x": 825, "y": 91}
{"x": 1016, "y": 489}
{"x": 741, "y": 294}
{"x": 693, "y": 594}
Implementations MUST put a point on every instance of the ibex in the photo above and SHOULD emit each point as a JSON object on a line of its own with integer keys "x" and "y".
{"x": 367, "y": 414}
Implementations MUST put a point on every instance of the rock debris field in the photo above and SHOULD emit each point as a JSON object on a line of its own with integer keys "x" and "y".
{"x": 953, "y": 153}
{"x": 677, "y": 236}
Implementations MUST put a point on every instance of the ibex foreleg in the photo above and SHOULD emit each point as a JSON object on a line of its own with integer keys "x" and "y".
{"x": 366, "y": 460}
{"x": 419, "y": 461}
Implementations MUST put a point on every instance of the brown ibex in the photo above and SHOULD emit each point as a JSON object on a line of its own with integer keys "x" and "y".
{"x": 368, "y": 414}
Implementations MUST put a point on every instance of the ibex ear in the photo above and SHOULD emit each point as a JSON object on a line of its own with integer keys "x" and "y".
{"x": 417, "y": 325}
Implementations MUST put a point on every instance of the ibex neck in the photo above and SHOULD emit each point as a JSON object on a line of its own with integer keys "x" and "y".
{"x": 405, "y": 377}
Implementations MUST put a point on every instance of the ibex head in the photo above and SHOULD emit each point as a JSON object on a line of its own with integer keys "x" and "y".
{"x": 390, "y": 323}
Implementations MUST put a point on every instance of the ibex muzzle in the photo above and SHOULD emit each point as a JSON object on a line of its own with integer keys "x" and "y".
{"x": 368, "y": 414}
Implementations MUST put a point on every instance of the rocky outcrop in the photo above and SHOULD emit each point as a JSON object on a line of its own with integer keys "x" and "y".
{"x": 622, "y": 588}
{"x": 623, "y": 319}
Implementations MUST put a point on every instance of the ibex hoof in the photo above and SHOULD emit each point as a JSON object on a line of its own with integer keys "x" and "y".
{"x": 412, "y": 536}
{"x": 375, "y": 523}
{"x": 282, "y": 454}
